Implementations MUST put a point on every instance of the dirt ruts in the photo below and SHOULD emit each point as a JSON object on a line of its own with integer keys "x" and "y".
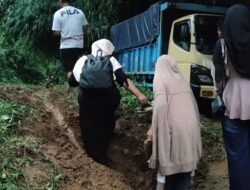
{"x": 58, "y": 127}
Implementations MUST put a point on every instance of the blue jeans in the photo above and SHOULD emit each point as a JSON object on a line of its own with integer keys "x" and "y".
{"x": 180, "y": 181}
{"x": 237, "y": 142}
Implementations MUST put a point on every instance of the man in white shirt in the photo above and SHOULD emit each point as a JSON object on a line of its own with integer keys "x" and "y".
{"x": 70, "y": 25}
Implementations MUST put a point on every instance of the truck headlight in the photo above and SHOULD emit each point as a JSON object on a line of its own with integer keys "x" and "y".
{"x": 201, "y": 75}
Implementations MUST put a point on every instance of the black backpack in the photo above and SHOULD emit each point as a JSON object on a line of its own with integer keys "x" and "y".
{"x": 97, "y": 73}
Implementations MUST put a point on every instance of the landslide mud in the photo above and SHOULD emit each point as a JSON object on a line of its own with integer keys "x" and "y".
{"x": 57, "y": 127}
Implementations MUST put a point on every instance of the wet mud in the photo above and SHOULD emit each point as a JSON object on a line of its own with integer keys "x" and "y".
{"x": 57, "y": 127}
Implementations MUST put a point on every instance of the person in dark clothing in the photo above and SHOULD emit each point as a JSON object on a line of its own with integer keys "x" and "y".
{"x": 219, "y": 27}
{"x": 232, "y": 80}
{"x": 217, "y": 57}
{"x": 236, "y": 31}
{"x": 97, "y": 109}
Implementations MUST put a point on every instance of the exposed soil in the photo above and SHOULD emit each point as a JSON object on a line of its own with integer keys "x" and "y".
{"x": 57, "y": 126}
{"x": 128, "y": 152}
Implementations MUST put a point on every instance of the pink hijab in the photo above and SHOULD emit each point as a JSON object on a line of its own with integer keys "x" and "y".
{"x": 168, "y": 78}
{"x": 175, "y": 123}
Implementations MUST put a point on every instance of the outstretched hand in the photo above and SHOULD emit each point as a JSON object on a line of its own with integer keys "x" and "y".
{"x": 143, "y": 99}
{"x": 131, "y": 87}
{"x": 69, "y": 74}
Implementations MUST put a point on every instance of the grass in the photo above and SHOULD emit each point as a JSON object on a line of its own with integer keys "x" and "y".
{"x": 130, "y": 103}
{"x": 212, "y": 139}
{"x": 18, "y": 153}
{"x": 71, "y": 96}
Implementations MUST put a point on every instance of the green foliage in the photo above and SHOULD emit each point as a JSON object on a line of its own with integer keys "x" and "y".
{"x": 32, "y": 20}
{"x": 212, "y": 139}
{"x": 29, "y": 52}
{"x": 29, "y": 19}
{"x": 101, "y": 15}
{"x": 19, "y": 64}
{"x": 15, "y": 151}
{"x": 28, "y": 49}
{"x": 129, "y": 102}
{"x": 10, "y": 115}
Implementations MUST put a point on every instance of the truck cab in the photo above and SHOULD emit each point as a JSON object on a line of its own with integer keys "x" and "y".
{"x": 192, "y": 41}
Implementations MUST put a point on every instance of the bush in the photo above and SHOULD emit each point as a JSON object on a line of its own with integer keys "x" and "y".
{"x": 30, "y": 53}
{"x": 20, "y": 65}
{"x": 129, "y": 102}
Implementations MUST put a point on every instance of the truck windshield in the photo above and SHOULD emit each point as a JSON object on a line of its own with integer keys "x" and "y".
{"x": 206, "y": 33}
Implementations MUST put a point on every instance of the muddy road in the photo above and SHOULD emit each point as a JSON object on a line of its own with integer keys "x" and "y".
{"x": 57, "y": 127}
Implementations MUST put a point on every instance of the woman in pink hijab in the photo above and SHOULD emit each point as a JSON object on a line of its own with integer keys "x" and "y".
{"x": 175, "y": 127}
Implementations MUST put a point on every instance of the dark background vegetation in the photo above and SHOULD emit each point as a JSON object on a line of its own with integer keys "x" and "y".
{"x": 28, "y": 50}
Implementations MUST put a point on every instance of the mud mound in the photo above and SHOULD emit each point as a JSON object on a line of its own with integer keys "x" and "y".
{"x": 52, "y": 127}
{"x": 128, "y": 153}
{"x": 57, "y": 126}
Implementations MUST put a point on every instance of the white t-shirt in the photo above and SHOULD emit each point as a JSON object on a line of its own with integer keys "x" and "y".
{"x": 80, "y": 63}
{"x": 69, "y": 21}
